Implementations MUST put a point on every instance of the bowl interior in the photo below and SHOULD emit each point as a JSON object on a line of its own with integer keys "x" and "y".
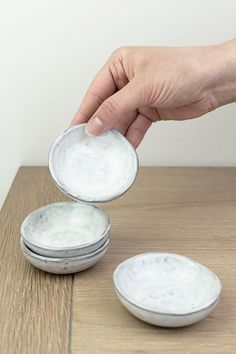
{"x": 93, "y": 168}
{"x": 167, "y": 283}
{"x": 62, "y": 226}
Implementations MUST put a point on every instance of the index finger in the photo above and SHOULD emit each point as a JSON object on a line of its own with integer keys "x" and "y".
{"x": 99, "y": 90}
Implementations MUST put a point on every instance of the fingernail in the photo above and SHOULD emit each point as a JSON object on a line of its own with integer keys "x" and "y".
{"x": 95, "y": 126}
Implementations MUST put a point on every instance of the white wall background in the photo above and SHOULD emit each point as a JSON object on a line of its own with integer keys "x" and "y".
{"x": 50, "y": 50}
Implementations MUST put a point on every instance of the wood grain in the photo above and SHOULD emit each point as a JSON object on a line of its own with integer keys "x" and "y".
{"x": 191, "y": 211}
{"x": 34, "y": 306}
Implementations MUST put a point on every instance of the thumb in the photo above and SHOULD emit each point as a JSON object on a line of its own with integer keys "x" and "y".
{"x": 114, "y": 107}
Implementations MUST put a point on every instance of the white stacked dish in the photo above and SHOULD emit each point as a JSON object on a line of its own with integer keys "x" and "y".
{"x": 71, "y": 236}
{"x": 65, "y": 237}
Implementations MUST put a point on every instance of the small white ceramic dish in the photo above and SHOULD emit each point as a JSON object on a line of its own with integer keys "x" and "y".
{"x": 65, "y": 229}
{"x": 64, "y": 265}
{"x": 93, "y": 168}
{"x": 166, "y": 289}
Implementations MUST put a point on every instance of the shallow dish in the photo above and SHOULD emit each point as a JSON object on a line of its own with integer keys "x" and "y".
{"x": 166, "y": 289}
{"x": 63, "y": 265}
{"x": 65, "y": 229}
{"x": 93, "y": 168}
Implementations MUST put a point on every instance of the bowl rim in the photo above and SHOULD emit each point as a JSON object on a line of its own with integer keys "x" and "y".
{"x": 78, "y": 198}
{"x": 141, "y": 307}
{"x": 66, "y": 248}
{"x": 62, "y": 250}
{"x": 27, "y": 251}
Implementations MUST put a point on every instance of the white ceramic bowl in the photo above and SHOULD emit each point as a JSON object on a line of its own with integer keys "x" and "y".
{"x": 65, "y": 229}
{"x": 93, "y": 168}
{"x": 166, "y": 289}
{"x": 63, "y": 265}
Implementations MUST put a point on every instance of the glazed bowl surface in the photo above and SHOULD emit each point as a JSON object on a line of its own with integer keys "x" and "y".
{"x": 66, "y": 229}
{"x": 166, "y": 289}
{"x": 93, "y": 169}
{"x": 64, "y": 265}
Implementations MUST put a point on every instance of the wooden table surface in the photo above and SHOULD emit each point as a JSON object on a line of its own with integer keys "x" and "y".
{"x": 191, "y": 211}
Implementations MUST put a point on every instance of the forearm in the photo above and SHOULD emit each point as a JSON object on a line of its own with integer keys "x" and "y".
{"x": 223, "y": 73}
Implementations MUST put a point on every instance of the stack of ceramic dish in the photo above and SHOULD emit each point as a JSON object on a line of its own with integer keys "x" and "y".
{"x": 65, "y": 237}
{"x": 71, "y": 237}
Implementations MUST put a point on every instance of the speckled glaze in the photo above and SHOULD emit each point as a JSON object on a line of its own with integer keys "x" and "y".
{"x": 64, "y": 265}
{"x": 65, "y": 229}
{"x": 93, "y": 168}
{"x": 166, "y": 289}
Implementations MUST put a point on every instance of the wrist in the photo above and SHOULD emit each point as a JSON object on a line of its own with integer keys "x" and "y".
{"x": 222, "y": 73}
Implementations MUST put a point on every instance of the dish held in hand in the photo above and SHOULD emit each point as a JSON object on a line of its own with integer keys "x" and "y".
{"x": 93, "y": 168}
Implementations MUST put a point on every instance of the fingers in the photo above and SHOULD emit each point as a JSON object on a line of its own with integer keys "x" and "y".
{"x": 87, "y": 108}
{"x": 138, "y": 129}
{"x": 116, "y": 107}
{"x": 123, "y": 124}
{"x": 101, "y": 88}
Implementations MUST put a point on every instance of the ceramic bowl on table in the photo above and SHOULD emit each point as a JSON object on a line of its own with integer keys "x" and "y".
{"x": 166, "y": 289}
{"x": 65, "y": 229}
{"x": 64, "y": 265}
{"x": 65, "y": 237}
{"x": 93, "y": 169}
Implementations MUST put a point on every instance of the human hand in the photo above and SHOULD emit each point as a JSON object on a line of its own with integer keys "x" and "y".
{"x": 141, "y": 85}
